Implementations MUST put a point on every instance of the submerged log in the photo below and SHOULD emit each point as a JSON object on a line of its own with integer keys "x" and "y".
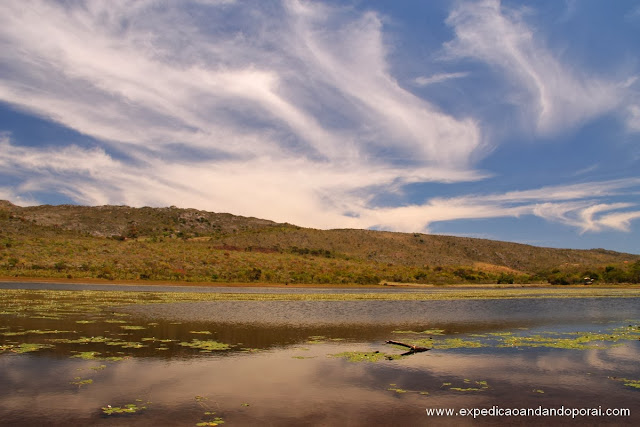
{"x": 412, "y": 348}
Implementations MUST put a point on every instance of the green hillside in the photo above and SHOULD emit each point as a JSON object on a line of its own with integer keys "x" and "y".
{"x": 119, "y": 242}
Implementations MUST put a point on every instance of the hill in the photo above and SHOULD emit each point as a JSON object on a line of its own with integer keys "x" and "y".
{"x": 120, "y": 242}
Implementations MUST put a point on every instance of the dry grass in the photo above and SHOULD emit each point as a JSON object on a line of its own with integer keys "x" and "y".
{"x": 122, "y": 243}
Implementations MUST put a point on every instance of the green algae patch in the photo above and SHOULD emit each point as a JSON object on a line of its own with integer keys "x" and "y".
{"x": 85, "y": 340}
{"x": 200, "y": 332}
{"x": 215, "y": 422}
{"x": 95, "y": 355}
{"x": 128, "y": 344}
{"x": 132, "y": 327}
{"x": 398, "y": 390}
{"x": 154, "y": 339}
{"x": 28, "y": 347}
{"x": 468, "y": 386}
{"x": 34, "y": 332}
{"x": 130, "y": 408}
{"x": 206, "y": 345}
{"x": 627, "y": 382}
{"x": 366, "y": 356}
{"x": 81, "y": 382}
{"x": 575, "y": 341}
{"x": 449, "y": 343}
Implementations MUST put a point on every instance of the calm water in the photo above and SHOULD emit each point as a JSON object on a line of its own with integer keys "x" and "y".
{"x": 281, "y": 368}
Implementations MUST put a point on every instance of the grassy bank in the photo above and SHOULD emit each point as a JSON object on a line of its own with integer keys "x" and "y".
{"x": 118, "y": 243}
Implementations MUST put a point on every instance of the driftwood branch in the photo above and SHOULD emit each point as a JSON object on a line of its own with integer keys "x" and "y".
{"x": 412, "y": 348}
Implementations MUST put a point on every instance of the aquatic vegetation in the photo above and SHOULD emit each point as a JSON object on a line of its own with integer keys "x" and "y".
{"x": 130, "y": 408}
{"x": 84, "y": 340}
{"x": 320, "y": 339}
{"x": 85, "y": 322}
{"x": 127, "y": 344}
{"x": 303, "y": 357}
{"x": 366, "y": 356}
{"x": 537, "y": 390}
{"x": 201, "y": 400}
{"x": 582, "y": 340}
{"x": 215, "y": 422}
{"x": 316, "y": 339}
{"x": 578, "y": 340}
{"x": 87, "y": 355}
{"x": 627, "y": 382}
{"x": 98, "y": 368}
{"x": 28, "y": 347}
{"x": 80, "y": 382}
{"x": 469, "y": 386}
{"x": 34, "y": 332}
{"x": 449, "y": 343}
{"x": 395, "y": 388}
{"x": 94, "y": 355}
{"x": 154, "y": 339}
{"x": 132, "y": 327}
{"x": 206, "y": 346}
{"x": 115, "y": 321}
{"x": 200, "y": 332}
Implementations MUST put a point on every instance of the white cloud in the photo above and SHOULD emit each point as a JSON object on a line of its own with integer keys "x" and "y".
{"x": 438, "y": 78}
{"x": 633, "y": 118}
{"x": 578, "y": 205}
{"x": 290, "y": 114}
{"x": 318, "y": 195}
{"x": 558, "y": 96}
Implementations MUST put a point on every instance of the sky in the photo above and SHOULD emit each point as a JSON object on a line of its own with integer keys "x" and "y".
{"x": 515, "y": 121}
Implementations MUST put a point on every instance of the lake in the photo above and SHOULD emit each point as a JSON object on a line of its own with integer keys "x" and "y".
{"x": 135, "y": 355}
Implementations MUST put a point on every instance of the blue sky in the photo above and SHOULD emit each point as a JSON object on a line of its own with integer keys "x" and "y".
{"x": 509, "y": 120}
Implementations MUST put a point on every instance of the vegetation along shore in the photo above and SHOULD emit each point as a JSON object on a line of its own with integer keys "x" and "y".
{"x": 116, "y": 243}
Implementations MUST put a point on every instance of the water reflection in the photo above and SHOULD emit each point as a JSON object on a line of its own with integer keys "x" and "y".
{"x": 281, "y": 367}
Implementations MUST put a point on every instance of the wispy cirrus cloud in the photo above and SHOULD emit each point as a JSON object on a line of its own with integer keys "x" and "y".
{"x": 322, "y": 195}
{"x": 577, "y": 205}
{"x": 284, "y": 110}
{"x": 556, "y": 94}
{"x": 300, "y": 84}
{"x": 438, "y": 78}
